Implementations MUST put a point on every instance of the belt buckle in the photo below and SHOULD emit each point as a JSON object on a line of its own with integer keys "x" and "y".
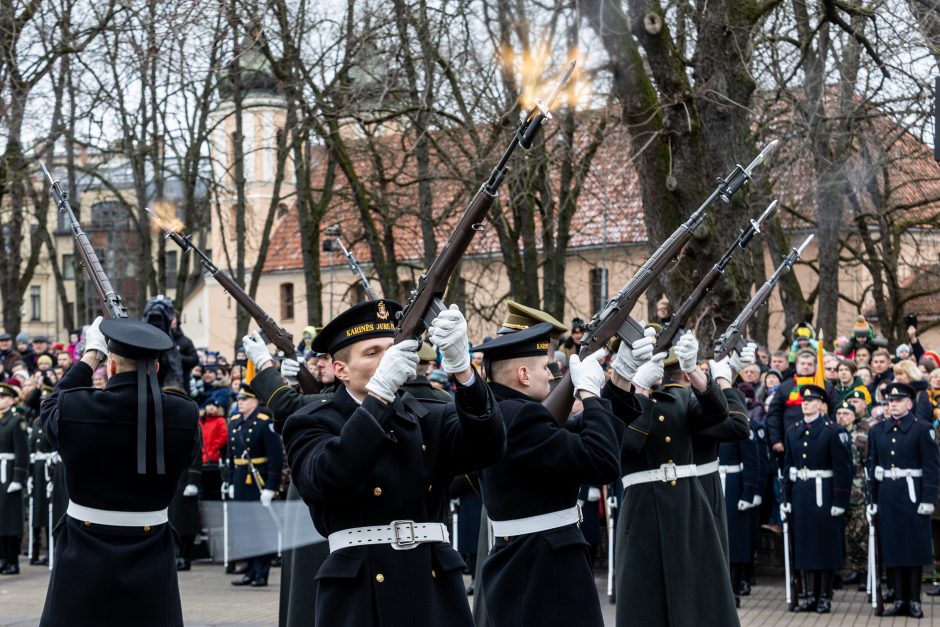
{"x": 803, "y": 474}
{"x": 403, "y": 543}
{"x": 669, "y": 472}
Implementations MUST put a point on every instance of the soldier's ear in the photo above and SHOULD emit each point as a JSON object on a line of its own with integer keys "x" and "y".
{"x": 340, "y": 371}
{"x": 522, "y": 375}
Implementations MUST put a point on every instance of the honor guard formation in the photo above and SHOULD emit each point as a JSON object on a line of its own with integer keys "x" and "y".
{"x": 401, "y": 472}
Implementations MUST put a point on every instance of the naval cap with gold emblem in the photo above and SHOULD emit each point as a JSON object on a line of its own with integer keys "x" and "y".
{"x": 900, "y": 390}
{"x": 519, "y": 317}
{"x": 10, "y": 388}
{"x": 814, "y": 391}
{"x": 530, "y": 342}
{"x": 371, "y": 319}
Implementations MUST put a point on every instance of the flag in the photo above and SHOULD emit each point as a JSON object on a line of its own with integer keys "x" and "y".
{"x": 820, "y": 377}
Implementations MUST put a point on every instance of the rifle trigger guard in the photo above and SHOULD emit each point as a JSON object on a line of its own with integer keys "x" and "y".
{"x": 479, "y": 226}
{"x": 436, "y": 307}
{"x": 630, "y": 331}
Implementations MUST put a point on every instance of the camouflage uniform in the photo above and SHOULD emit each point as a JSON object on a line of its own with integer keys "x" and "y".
{"x": 856, "y": 524}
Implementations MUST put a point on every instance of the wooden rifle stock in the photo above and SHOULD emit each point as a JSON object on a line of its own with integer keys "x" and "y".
{"x": 113, "y": 306}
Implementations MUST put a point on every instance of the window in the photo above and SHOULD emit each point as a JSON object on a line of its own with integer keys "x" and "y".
{"x": 287, "y": 301}
{"x": 172, "y": 268}
{"x": 68, "y": 267}
{"x": 110, "y": 215}
{"x": 35, "y": 304}
{"x": 598, "y": 289}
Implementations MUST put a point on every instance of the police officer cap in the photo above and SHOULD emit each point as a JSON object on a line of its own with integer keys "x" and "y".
{"x": 371, "y": 319}
{"x": 245, "y": 391}
{"x": 846, "y": 406}
{"x": 135, "y": 339}
{"x": 814, "y": 391}
{"x": 900, "y": 390}
{"x": 519, "y": 317}
{"x": 9, "y": 389}
{"x": 533, "y": 341}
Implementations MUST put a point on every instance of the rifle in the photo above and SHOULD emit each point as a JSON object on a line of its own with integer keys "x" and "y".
{"x": 874, "y": 567}
{"x": 114, "y": 308}
{"x": 270, "y": 331}
{"x": 615, "y": 318}
{"x": 328, "y": 246}
{"x": 611, "y": 500}
{"x": 733, "y": 337}
{"x": 706, "y": 284}
{"x": 426, "y": 300}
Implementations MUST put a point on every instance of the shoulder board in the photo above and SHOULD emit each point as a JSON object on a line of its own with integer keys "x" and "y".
{"x": 235, "y": 417}
{"x": 795, "y": 425}
{"x": 263, "y": 417}
{"x": 844, "y": 437}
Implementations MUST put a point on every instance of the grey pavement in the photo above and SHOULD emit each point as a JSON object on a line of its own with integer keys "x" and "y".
{"x": 209, "y": 600}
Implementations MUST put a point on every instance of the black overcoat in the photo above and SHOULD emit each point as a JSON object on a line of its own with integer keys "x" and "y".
{"x": 13, "y": 441}
{"x": 359, "y": 465}
{"x": 184, "y": 510}
{"x": 904, "y": 534}
{"x": 127, "y": 574}
{"x": 671, "y": 568}
{"x": 40, "y": 472}
{"x": 545, "y": 578}
{"x": 819, "y": 537}
{"x": 739, "y": 486}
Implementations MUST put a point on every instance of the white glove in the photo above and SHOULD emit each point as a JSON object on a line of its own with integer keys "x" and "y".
{"x": 29, "y": 485}
{"x": 747, "y": 357}
{"x": 289, "y": 369}
{"x": 757, "y": 500}
{"x": 399, "y": 364}
{"x": 266, "y": 497}
{"x": 256, "y": 350}
{"x": 925, "y": 509}
{"x": 448, "y": 332}
{"x": 629, "y": 358}
{"x": 14, "y": 486}
{"x": 687, "y": 352}
{"x": 94, "y": 338}
{"x": 743, "y": 505}
{"x": 651, "y": 372}
{"x": 230, "y": 492}
{"x": 594, "y": 494}
{"x": 872, "y": 509}
{"x": 785, "y": 508}
{"x": 49, "y": 490}
{"x": 721, "y": 370}
{"x": 587, "y": 375}
{"x": 190, "y": 490}
{"x": 836, "y": 511}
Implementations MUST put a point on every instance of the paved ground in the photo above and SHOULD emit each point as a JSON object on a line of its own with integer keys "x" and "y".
{"x": 209, "y": 600}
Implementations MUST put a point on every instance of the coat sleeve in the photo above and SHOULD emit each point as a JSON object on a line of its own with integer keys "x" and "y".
{"x": 20, "y": 451}
{"x": 473, "y": 434}
{"x": 774, "y": 420}
{"x": 634, "y": 436}
{"x": 274, "y": 448}
{"x": 930, "y": 460}
{"x": 586, "y": 451}
{"x": 623, "y": 404}
{"x": 78, "y": 376}
{"x": 330, "y": 458}
{"x": 710, "y": 408}
{"x": 751, "y": 473}
{"x": 278, "y": 396}
{"x": 734, "y": 425}
{"x": 923, "y": 408}
{"x": 841, "y": 468}
{"x": 872, "y": 461}
{"x": 788, "y": 464}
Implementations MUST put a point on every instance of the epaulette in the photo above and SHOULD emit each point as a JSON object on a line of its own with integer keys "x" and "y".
{"x": 795, "y": 425}
{"x": 263, "y": 417}
{"x": 235, "y": 417}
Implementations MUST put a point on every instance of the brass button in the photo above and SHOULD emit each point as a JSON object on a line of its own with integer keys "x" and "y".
{"x": 377, "y": 491}
{"x": 654, "y": 400}
{"x": 804, "y": 455}
{"x": 895, "y": 429}
{"x": 673, "y": 482}
{"x": 670, "y": 462}
{"x": 424, "y": 448}
{"x": 892, "y": 452}
{"x": 146, "y": 528}
{"x": 806, "y": 432}
{"x": 380, "y": 577}
{"x": 88, "y": 523}
{"x": 433, "y": 574}
{"x": 805, "y": 443}
{"x": 893, "y": 440}
{"x": 668, "y": 439}
{"x": 506, "y": 538}
{"x": 662, "y": 418}
{"x": 430, "y": 487}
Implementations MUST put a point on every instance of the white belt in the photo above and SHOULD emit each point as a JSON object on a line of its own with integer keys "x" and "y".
{"x": 666, "y": 472}
{"x": 724, "y": 471}
{"x": 43, "y": 457}
{"x": 534, "y": 524}
{"x": 4, "y": 458}
{"x": 114, "y": 518}
{"x": 805, "y": 474}
{"x": 400, "y": 534}
{"x": 898, "y": 473}
{"x": 706, "y": 469}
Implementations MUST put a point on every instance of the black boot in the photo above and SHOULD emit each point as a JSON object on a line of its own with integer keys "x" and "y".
{"x": 916, "y": 611}
{"x": 862, "y": 581}
{"x": 246, "y": 580}
{"x": 10, "y": 569}
{"x": 806, "y": 605}
{"x": 898, "y": 608}
{"x": 744, "y": 589}
{"x": 824, "y": 606}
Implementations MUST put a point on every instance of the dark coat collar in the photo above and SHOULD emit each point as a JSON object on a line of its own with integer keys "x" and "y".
{"x": 506, "y": 393}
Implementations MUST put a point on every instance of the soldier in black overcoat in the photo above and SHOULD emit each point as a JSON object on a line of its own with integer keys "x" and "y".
{"x": 671, "y": 568}
{"x": 303, "y": 557}
{"x": 374, "y": 465}
{"x": 14, "y": 465}
{"x": 903, "y": 460}
{"x": 255, "y": 466}
{"x": 184, "y": 515}
{"x": 40, "y": 456}
{"x": 818, "y": 481}
{"x": 739, "y": 472}
{"x": 531, "y": 496}
{"x": 124, "y": 448}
